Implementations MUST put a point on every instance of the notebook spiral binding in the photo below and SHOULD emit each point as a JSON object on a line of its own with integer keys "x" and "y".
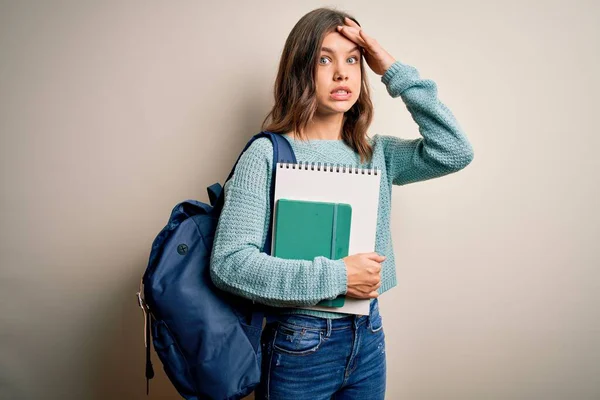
{"x": 328, "y": 167}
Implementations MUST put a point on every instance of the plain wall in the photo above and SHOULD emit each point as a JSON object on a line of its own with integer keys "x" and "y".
{"x": 112, "y": 112}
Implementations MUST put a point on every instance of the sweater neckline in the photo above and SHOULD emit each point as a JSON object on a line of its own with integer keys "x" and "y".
{"x": 291, "y": 137}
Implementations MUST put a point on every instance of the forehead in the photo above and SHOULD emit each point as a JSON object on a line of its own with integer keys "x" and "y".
{"x": 338, "y": 43}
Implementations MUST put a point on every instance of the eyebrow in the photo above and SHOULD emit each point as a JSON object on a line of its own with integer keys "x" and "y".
{"x": 327, "y": 49}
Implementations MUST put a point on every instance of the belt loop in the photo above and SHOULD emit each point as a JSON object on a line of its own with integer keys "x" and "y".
{"x": 328, "y": 327}
{"x": 372, "y": 307}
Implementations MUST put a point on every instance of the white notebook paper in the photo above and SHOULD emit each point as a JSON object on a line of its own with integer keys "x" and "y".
{"x": 358, "y": 187}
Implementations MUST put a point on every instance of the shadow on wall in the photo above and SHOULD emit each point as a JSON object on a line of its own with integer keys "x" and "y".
{"x": 117, "y": 358}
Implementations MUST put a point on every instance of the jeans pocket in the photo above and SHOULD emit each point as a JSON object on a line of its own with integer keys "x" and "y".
{"x": 376, "y": 323}
{"x": 296, "y": 340}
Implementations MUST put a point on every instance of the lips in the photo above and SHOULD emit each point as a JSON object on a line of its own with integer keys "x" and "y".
{"x": 341, "y": 93}
{"x": 345, "y": 88}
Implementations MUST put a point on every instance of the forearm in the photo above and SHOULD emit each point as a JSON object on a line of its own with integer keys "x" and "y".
{"x": 443, "y": 149}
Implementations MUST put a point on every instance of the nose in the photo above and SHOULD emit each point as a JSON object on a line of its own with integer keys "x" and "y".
{"x": 341, "y": 76}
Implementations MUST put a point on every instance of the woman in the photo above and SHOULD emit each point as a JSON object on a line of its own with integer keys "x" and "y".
{"x": 323, "y": 107}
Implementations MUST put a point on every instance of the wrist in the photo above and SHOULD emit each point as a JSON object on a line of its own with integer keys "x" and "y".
{"x": 387, "y": 64}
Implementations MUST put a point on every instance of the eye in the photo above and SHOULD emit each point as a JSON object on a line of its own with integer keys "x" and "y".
{"x": 356, "y": 59}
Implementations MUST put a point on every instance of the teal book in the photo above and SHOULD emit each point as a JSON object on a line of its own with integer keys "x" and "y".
{"x": 304, "y": 230}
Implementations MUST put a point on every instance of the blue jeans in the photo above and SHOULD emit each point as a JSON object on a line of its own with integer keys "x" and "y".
{"x": 306, "y": 357}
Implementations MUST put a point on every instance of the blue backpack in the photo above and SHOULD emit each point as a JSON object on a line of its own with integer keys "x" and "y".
{"x": 208, "y": 340}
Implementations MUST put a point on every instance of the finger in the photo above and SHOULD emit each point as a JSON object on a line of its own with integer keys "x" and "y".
{"x": 375, "y": 256}
{"x": 376, "y": 266}
{"x": 361, "y": 36}
{"x": 359, "y": 294}
{"x": 374, "y": 294}
{"x": 351, "y": 22}
{"x": 364, "y": 36}
{"x": 368, "y": 40}
{"x": 374, "y": 269}
{"x": 368, "y": 256}
{"x": 352, "y": 34}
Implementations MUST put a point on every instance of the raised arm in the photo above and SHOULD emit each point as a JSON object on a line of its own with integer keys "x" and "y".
{"x": 443, "y": 149}
{"x": 238, "y": 263}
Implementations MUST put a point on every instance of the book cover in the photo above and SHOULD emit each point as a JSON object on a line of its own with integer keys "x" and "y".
{"x": 304, "y": 230}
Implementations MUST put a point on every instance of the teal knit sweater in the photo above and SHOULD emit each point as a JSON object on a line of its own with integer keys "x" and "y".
{"x": 238, "y": 263}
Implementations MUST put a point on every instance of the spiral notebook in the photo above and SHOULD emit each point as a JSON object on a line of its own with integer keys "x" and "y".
{"x": 357, "y": 187}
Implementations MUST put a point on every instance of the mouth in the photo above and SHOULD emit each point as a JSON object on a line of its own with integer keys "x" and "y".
{"x": 340, "y": 94}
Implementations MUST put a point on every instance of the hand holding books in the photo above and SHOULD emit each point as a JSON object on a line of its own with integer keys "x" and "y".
{"x": 364, "y": 275}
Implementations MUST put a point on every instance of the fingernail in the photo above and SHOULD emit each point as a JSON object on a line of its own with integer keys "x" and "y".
{"x": 339, "y": 27}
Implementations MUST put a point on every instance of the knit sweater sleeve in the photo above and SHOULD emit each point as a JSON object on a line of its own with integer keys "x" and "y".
{"x": 443, "y": 147}
{"x": 238, "y": 263}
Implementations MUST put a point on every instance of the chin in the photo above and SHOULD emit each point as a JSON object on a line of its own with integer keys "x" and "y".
{"x": 332, "y": 110}
{"x": 337, "y": 107}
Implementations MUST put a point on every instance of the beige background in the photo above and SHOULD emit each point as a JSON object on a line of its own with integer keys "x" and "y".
{"x": 112, "y": 112}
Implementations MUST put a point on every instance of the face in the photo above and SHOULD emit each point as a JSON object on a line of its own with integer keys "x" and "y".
{"x": 338, "y": 64}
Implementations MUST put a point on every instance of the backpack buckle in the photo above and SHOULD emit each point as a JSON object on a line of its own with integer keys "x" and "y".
{"x": 142, "y": 303}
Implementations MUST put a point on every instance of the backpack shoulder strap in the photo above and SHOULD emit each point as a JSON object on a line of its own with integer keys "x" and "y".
{"x": 282, "y": 152}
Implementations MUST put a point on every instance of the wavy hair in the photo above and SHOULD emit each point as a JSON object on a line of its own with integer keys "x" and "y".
{"x": 295, "y": 88}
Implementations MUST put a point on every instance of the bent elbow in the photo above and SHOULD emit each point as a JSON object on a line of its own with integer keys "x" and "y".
{"x": 467, "y": 156}
{"x": 463, "y": 157}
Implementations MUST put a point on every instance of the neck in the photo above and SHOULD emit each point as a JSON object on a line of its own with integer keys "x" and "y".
{"x": 324, "y": 127}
